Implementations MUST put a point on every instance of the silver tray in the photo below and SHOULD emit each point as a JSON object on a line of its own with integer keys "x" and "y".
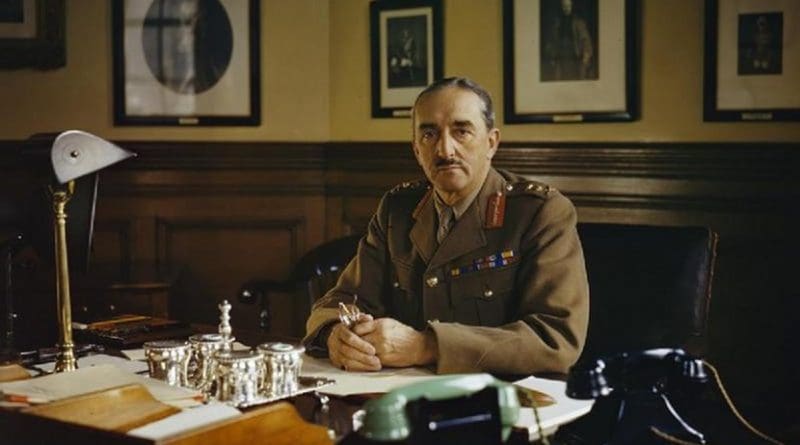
{"x": 304, "y": 385}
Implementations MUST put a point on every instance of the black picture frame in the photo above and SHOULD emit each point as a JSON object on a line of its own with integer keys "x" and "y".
{"x": 179, "y": 67}
{"x": 32, "y": 35}
{"x": 406, "y": 42}
{"x": 542, "y": 84}
{"x": 751, "y": 71}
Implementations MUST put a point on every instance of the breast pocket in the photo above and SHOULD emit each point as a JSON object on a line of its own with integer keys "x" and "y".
{"x": 484, "y": 298}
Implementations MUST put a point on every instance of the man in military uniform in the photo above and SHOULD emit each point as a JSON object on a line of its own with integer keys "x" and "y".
{"x": 475, "y": 269}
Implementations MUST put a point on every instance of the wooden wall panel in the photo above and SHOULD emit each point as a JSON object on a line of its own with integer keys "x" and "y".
{"x": 113, "y": 245}
{"x": 208, "y": 259}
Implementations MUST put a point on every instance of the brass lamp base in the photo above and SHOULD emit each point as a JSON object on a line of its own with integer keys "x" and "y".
{"x": 65, "y": 361}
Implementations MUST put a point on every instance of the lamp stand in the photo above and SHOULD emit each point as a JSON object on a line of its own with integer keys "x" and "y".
{"x": 65, "y": 361}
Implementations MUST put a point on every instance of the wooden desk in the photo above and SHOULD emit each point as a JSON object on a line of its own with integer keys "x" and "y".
{"x": 279, "y": 422}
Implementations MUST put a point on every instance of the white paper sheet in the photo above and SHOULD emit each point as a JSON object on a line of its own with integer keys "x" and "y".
{"x": 564, "y": 410}
{"x": 91, "y": 379}
{"x": 185, "y": 420}
{"x": 348, "y": 383}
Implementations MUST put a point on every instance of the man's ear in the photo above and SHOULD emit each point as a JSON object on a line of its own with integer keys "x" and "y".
{"x": 494, "y": 142}
{"x": 416, "y": 152}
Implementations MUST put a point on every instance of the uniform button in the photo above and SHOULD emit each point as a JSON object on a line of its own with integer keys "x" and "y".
{"x": 488, "y": 293}
{"x": 509, "y": 187}
{"x": 396, "y": 284}
{"x": 432, "y": 281}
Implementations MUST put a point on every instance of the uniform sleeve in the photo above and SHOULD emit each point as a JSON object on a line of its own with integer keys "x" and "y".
{"x": 364, "y": 276}
{"x": 552, "y": 312}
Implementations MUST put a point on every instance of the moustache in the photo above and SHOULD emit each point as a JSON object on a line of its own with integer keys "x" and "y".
{"x": 447, "y": 162}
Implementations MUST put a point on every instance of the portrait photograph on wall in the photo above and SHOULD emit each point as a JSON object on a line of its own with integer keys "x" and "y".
{"x": 752, "y": 61}
{"x": 568, "y": 41}
{"x": 570, "y": 60}
{"x": 32, "y": 34}
{"x": 186, "y": 62}
{"x": 406, "y": 52}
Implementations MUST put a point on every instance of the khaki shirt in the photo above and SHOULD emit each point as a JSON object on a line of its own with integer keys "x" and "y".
{"x": 505, "y": 292}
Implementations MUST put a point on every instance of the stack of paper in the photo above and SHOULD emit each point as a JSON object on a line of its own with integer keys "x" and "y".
{"x": 91, "y": 379}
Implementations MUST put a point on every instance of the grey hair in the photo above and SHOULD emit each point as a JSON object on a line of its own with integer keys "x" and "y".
{"x": 465, "y": 84}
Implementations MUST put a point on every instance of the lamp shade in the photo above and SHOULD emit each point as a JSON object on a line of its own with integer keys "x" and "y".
{"x": 77, "y": 153}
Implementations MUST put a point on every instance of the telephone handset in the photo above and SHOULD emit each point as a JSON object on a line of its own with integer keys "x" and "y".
{"x": 634, "y": 391}
{"x": 656, "y": 370}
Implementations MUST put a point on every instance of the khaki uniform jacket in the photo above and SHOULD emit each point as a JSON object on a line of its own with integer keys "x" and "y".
{"x": 505, "y": 292}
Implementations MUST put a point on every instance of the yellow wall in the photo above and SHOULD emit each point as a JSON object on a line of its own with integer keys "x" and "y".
{"x": 672, "y": 77}
{"x": 294, "y": 81}
{"x": 316, "y": 79}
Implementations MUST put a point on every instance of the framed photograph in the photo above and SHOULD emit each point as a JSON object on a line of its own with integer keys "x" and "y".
{"x": 406, "y": 40}
{"x": 570, "y": 60}
{"x": 752, "y": 60}
{"x": 186, "y": 62}
{"x": 32, "y": 34}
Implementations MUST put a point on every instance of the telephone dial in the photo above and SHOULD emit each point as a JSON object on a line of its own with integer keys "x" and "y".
{"x": 636, "y": 394}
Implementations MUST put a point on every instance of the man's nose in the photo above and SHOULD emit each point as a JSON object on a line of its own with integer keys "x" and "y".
{"x": 445, "y": 148}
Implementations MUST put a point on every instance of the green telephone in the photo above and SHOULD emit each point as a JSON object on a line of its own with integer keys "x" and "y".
{"x": 433, "y": 410}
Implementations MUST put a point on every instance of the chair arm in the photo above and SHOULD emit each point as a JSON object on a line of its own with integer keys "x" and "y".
{"x": 257, "y": 291}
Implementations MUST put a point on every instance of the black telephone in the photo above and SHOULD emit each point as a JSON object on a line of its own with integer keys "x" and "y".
{"x": 635, "y": 394}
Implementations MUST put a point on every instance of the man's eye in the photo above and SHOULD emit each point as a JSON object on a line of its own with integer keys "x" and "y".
{"x": 428, "y": 135}
{"x": 461, "y": 132}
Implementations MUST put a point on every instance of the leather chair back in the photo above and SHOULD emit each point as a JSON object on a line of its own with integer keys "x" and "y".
{"x": 319, "y": 269}
{"x": 649, "y": 286}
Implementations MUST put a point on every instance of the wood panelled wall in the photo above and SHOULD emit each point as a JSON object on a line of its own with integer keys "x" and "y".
{"x": 208, "y": 216}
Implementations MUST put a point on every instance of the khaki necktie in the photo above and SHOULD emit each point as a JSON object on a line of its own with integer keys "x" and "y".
{"x": 446, "y": 222}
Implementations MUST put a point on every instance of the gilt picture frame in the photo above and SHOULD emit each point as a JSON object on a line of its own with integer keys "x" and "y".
{"x": 752, "y": 61}
{"x": 570, "y": 61}
{"x": 186, "y": 63}
{"x": 406, "y": 44}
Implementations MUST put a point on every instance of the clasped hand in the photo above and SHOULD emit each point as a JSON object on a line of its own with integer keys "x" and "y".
{"x": 373, "y": 344}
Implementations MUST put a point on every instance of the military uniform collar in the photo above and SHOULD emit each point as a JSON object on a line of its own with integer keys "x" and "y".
{"x": 467, "y": 234}
{"x": 460, "y": 207}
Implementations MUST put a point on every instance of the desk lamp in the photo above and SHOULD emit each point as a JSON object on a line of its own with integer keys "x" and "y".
{"x": 74, "y": 154}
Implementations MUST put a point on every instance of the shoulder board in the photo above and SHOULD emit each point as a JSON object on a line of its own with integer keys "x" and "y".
{"x": 409, "y": 187}
{"x": 529, "y": 188}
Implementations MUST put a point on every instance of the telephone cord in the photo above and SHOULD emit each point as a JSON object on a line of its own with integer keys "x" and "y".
{"x": 729, "y": 401}
{"x": 738, "y": 415}
{"x": 542, "y": 437}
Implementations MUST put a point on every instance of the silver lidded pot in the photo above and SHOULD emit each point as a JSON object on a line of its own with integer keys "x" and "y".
{"x": 168, "y": 360}
{"x": 238, "y": 375}
{"x": 282, "y": 363}
{"x": 202, "y": 367}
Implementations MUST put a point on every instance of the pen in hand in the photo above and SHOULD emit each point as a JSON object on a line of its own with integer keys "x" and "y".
{"x": 349, "y": 314}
